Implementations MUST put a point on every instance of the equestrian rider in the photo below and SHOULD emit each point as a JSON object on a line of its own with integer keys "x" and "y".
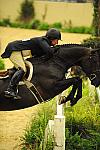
{"x": 37, "y": 47}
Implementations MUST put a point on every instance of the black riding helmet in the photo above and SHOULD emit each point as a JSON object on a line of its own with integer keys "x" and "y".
{"x": 53, "y": 34}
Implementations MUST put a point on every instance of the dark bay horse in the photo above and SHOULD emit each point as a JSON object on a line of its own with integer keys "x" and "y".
{"x": 49, "y": 76}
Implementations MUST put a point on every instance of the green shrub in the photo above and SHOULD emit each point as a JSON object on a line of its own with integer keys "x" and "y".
{"x": 43, "y": 26}
{"x": 82, "y": 29}
{"x": 57, "y": 25}
{"x": 35, "y": 24}
{"x": 15, "y": 25}
{"x": 2, "y": 65}
{"x": 92, "y": 42}
{"x": 5, "y": 22}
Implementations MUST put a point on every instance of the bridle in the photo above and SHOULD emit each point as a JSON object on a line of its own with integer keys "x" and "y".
{"x": 92, "y": 60}
{"x": 93, "y": 75}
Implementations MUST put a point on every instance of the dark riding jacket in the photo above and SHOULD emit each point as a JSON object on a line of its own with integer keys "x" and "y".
{"x": 39, "y": 46}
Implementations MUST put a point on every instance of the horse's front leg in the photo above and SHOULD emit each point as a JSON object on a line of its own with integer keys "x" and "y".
{"x": 78, "y": 87}
{"x": 66, "y": 83}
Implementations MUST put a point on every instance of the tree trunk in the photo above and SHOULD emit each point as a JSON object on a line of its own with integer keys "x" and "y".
{"x": 96, "y": 19}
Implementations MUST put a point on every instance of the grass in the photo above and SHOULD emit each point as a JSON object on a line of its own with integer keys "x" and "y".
{"x": 34, "y": 134}
{"x": 83, "y": 124}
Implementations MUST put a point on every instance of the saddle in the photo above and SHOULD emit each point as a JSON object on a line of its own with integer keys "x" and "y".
{"x": 6, "y": 73}
{"x": 26, "y": 81}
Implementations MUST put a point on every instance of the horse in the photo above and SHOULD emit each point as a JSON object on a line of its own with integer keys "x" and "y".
{"x": 49, "y": 76}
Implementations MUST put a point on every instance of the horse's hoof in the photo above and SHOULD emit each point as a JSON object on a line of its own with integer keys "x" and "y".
{"x": 62, "y": 100}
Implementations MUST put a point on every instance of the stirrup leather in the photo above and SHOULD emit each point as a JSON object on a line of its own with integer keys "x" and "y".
{"x": 34, "y": 91}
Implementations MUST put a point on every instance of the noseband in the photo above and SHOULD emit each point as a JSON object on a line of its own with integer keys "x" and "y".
{"x": 92, "y": 76}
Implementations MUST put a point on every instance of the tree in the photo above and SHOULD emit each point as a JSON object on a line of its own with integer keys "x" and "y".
{"x": 96, "y": 17}
{"x": 27, "y": 11}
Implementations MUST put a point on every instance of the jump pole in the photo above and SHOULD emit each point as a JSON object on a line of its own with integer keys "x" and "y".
{"x": 59, "y": 123}
{"x": 59, "y": 127}
{"x": 56, "y": 128}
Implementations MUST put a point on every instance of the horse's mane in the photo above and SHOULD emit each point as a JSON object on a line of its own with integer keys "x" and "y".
{"x": 57, "y": 47}
{"x": 69, "y": 45}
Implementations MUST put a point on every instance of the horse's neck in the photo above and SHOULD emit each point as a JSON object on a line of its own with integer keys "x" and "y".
{"x": 72, "y": 52}
{"x": 72, "y": 55}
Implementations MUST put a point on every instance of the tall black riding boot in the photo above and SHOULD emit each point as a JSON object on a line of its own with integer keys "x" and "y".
{"x": 12, "y": 87}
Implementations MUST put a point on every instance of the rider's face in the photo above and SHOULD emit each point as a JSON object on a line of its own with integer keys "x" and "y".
{"x": 54, "y": 42}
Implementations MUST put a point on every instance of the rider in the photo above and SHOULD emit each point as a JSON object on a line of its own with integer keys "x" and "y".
{"x": 37, "y": 47}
